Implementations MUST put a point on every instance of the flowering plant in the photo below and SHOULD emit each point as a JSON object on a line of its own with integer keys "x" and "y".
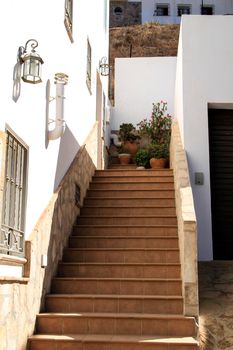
{"x": 158, "y": 127}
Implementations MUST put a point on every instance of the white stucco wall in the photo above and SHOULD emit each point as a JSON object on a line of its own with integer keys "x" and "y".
{"x": 220, "y": 7}
{"x": 44, "y": 22}
{"x": 138, "y": 83}
{"x": 206, "y": 56}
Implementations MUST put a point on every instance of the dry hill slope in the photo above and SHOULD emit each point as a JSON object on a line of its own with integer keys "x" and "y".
{"x": 147, "y": 40}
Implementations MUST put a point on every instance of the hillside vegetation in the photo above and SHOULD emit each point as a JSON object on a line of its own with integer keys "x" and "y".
{"x": 146, "y": 40}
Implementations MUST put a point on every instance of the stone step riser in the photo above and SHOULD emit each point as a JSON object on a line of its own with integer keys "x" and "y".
{"x": 129, "y": 202}
{"x": 124, "y": 256}
{"x": 131, "y": 193}
{"x": 137, "y": 179}
{"x": 133, "y": 173}
{"x": 132, "y": 186}
{"x": 117, "y": 287}
{"x": 123, "y": 167}
{"x": 120, "y": 242}
{"x": 112, "y": 325}
{"x": 117, "y": 220}
{"x": 121, "y": 211}
{"x": 118, "y": 271}
{"x": 92, "y": 345}
{"x": 125, "y": 231}
{"x": 113, "y": 305}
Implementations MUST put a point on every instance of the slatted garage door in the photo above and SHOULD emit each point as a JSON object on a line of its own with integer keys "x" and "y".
{"x": 221, "y": 177}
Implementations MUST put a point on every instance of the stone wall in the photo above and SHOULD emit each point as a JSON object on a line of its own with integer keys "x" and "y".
{"x": 130, "y": 14}
{"x": 21, "y": 299}
{"x": 186, "y": 223}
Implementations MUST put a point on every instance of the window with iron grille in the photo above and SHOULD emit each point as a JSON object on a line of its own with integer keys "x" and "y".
{"x": 14, "y": 200}
{"x": 183, "y": 10}
{"x": 162, "y": 10}
{"x": 88, "y": 78}
{"x": 68, "y": 21}
{"x": 207, "y": 10}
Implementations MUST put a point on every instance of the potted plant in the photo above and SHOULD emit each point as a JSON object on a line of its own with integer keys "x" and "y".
{"x": 158, "y": 154}
{"x": 158, "y": 130}
{"x": 124, "y": 156}
{"x": 142, "y": 158}
{"x": 158, "y": 127}
{"x": 128, "y": 136}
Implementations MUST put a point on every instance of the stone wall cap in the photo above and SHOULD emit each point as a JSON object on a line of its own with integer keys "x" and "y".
{"x": 19, "y": 280}
{"x": 12, "y": 260}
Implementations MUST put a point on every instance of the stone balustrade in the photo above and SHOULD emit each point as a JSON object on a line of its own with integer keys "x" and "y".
{"x": 186, "y": 223}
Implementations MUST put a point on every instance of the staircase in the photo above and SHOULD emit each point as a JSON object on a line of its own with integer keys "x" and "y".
{"x": 119, "y": 284}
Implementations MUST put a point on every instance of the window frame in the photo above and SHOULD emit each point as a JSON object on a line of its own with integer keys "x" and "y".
{"x": 89, "y": 66}
{"x": 210, "y": 6}
{"x": 68, "y": 19}
{"x": 181, "y": 7}
{"x": 15, "y": 185}
{"x": 161, "y": 6}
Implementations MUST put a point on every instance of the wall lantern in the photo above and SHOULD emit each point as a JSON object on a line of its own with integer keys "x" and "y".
{"x": 31, "y": 63}
{"x": 104, "y": 67}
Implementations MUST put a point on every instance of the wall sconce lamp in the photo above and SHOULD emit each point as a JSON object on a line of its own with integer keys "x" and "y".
{"x": 104, "y": 67}
{"x": 31, "y": 63}
{"x": 60, "y": 80}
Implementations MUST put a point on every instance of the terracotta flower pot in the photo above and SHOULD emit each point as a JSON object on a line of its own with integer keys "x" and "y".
{"x": 131, "y": 147}
{"x": 124, "y": 158}
{"x": 158, "y": 163}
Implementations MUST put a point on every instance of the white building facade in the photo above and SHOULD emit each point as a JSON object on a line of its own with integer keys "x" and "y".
{"x": 198, "y": 89}
{"x": 74, "y": 49}
{"x": 168, "y": 12}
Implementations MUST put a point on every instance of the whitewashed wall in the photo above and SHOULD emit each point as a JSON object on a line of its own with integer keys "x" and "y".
{"x": 221, "y": 7}
{"x": 205, "y": 76}
{"x": 138, "y": 83}
{"x": 44, "y": 21}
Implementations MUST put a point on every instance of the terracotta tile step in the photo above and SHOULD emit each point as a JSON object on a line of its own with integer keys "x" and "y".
{"x": 119, "y": 286}
{"x": 114, "y": 323}
{"x": 123, "y": 166}
{"x": 132, "y": 186}
{"x": 127, "y": 211}
{"x": 127, "y": 220}
{"x": 131, "y": 179}
{"x": 119, "y": 270}
{"x": 110, "y": 342}
{"x": 70, "y": 303}
{"x": 122, "y": 255}
{"x": 147, "y": 172}
{"x": 125, "y": 230}
{"x": 123, "y": 242}
{"x": 131, "y": 193}
{"x": 129, "y": 202}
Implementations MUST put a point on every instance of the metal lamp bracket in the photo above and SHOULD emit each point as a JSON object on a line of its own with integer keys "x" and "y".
{"x": 59, "y": 123}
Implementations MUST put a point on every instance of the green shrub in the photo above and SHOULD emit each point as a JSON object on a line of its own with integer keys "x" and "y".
{"x": 128, "y": 132}
{"x": 142, "y": 158}
{"x": 158, "y": 150}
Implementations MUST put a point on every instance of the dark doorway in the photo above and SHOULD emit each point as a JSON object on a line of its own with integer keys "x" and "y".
{"x": 221, "y": 180}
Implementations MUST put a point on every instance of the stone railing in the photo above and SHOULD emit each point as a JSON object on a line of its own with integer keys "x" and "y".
{"x": 186, "y": 223}
{"x": 22, "y": 299}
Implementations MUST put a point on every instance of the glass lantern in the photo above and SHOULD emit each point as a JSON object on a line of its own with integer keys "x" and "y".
{"x": 32, "y": 63}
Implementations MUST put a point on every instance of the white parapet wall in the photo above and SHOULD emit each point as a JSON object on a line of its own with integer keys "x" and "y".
{"x": 138, "y": 83}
